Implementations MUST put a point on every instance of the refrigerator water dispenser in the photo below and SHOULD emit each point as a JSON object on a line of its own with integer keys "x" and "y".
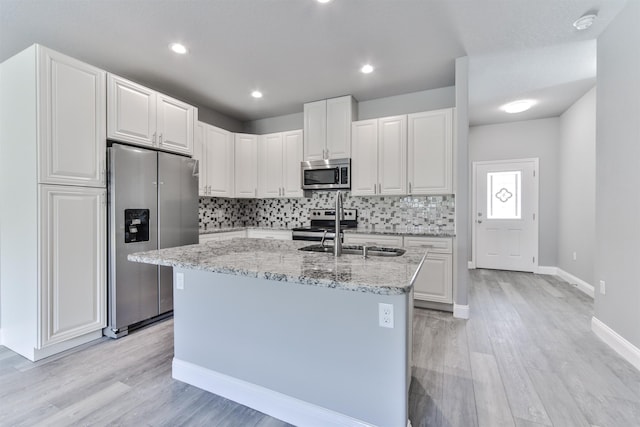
{"x": 136, "y": 225}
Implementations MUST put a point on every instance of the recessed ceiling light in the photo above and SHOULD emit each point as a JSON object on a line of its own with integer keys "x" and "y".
{"x": 324, "y": 1}
{"x": 256, "y": 94}
{"x": 585, "y": 21}
{"x": 518, "y": 106}
{"x": 366, "y": 69}
{"x": 178, "y": 48}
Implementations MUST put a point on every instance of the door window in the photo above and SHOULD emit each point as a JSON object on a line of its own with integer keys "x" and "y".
{"x": 504, "y": 195}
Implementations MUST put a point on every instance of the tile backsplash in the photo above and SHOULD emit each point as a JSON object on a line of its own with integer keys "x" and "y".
{"x": 433, "y": 213}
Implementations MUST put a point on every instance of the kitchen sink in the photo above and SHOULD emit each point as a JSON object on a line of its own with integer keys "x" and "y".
{"x": 356, "y": 250}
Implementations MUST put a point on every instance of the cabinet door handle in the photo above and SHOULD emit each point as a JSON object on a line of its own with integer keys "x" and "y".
{"x": 153, "y": 138}
{"x": 409, "y": 188}
{"x": 379, "y": 188}
{"x": 255, "y": 192}
{"x": 160, "y": 139}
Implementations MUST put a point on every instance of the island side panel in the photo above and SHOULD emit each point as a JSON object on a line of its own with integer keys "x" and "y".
{"x": 319, "y": 345}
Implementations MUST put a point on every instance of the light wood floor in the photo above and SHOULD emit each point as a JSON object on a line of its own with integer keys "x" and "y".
{"x": 526, "y": 357}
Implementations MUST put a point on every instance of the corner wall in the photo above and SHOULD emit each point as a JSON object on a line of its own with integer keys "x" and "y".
{"x": 618, "y": 176}
{"x": 577, "y": 189}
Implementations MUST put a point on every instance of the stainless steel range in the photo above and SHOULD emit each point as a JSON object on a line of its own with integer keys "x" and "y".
{"x": 323, "y": 224}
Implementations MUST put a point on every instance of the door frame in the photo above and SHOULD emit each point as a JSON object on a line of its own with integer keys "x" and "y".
{"x": 474, "y": 206}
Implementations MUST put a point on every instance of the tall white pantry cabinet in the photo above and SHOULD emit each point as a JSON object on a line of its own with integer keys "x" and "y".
{"x": 52, "y": 214}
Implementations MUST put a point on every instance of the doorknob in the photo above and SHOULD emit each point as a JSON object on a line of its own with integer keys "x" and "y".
{"x": 479, "y": 222}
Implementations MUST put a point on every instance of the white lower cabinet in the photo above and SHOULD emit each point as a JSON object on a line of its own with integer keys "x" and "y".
{"x": 73, "y": 270}
{"x": 435, "y": 280}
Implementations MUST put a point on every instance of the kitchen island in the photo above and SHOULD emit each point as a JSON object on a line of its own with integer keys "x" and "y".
{"x": 300, "y": 336}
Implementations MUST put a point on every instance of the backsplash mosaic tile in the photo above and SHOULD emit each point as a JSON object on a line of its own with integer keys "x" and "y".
{"x": 433, "y": 213}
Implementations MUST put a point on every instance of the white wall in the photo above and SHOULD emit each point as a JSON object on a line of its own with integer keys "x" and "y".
{"x": 220, "y": 120}
{"x": 577, "y": 188}
{"x": 461, "y": 181}
{"x": 618, "y": 175}
{"x": 527, "y": 139}
{"x": 414, "y": 102}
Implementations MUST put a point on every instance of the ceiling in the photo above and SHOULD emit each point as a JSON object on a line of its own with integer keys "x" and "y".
{"x": 296, "y": 51}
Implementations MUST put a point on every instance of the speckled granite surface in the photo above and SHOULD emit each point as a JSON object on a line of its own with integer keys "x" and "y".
{"x": 226, "y": 229}
{"x": 401, "y": 230}
{"x": 282, "y": 261}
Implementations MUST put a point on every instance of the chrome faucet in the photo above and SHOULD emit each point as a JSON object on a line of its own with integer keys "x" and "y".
{"x": 337, "y": 241}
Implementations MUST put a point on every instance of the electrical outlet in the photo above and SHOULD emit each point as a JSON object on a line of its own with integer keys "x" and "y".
{"x": 603, "y": 287}
{"x": 179, "y": 280}
{"x": 385, "y": 315}
{"x": 575, "y": 256}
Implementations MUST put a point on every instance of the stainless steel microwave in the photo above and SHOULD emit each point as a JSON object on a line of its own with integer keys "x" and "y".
{"x": 330, "y": 174}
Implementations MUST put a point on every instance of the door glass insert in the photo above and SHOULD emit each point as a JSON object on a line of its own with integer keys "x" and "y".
{"x": 503, "y": 196}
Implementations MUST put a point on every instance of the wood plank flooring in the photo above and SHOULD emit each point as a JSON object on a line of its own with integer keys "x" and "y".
{"x": 526, "y": 358}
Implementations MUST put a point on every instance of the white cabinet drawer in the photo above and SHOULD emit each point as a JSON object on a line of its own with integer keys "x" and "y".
{"x": 443, "y": 245}
{"x": 225, "y": 235}
{"x": 269, "y": 234}
{"x": 373, "y": 239}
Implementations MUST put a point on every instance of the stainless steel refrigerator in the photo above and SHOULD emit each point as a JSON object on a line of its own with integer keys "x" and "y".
{"x": 152, "y": 204}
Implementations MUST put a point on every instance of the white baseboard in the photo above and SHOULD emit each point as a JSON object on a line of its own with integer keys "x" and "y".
{"x": 623, "y": 347}
{"x": 471, "y": 265}
{"x": 547, "y": 269}
{"x": 580, "y": 284}
{"x": 277, "y": 405}
{"x": 461, "y": 311}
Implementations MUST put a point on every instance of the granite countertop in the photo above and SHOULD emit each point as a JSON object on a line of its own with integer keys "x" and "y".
{"x": 400, "y": 230}
{"x": 227, "y": 229}
{"x": 395, "y": 230}
{"x": 282, "y": 261}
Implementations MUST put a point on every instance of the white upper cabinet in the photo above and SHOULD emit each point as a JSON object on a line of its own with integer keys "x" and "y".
{"x": 292, "y": 157}
{"x": 246, "y": 165}
{"x": 141, "y": 116}
{"x": 327, "y": 128}
{"x": 131, "y": 112}
{"x": 364, "y": 158}
{"x": 392, "y": 155}
{"x": 72, "y": 120}
{"x": 270, "y": 166}
{"x": 379, "y": 157}
{"x": 279, "y": 157}
{"x": 199, "y": 154}
{"x": 315, "y": 130}
{"x": 175, "y": 120}
{"x": 430, "y": 148}
{"x": 219, "y": 159}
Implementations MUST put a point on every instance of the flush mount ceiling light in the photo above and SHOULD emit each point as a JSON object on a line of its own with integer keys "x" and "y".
{"x": 366, "y": 69}
{"x": 324, "y": 1}
{"x": 518, "y": 106}
{"x": 256, "y": 94}
{"x": 178, "y": 48}
{"x": 585, "y": 21}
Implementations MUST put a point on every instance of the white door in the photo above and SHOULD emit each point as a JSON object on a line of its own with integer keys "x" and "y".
{"x": 364, "y": 160}
{"x": 73, "y": 282}
{"x": 392, "y": 155}
{"x": 291, "y": 158}
{"x": 219, "y": 149}
{"x": 131, "y": 112}
{"x": 430, "y": 149}
{"x": 505, "y": 217}
{"x": 339, "y": 118}
{"x": 175, "y": 125}
{"x": 246, "y": 165}
{"x": 271, "y": 162}
{"x": 73, "y": 121}
{"x": 315, "y": 130}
